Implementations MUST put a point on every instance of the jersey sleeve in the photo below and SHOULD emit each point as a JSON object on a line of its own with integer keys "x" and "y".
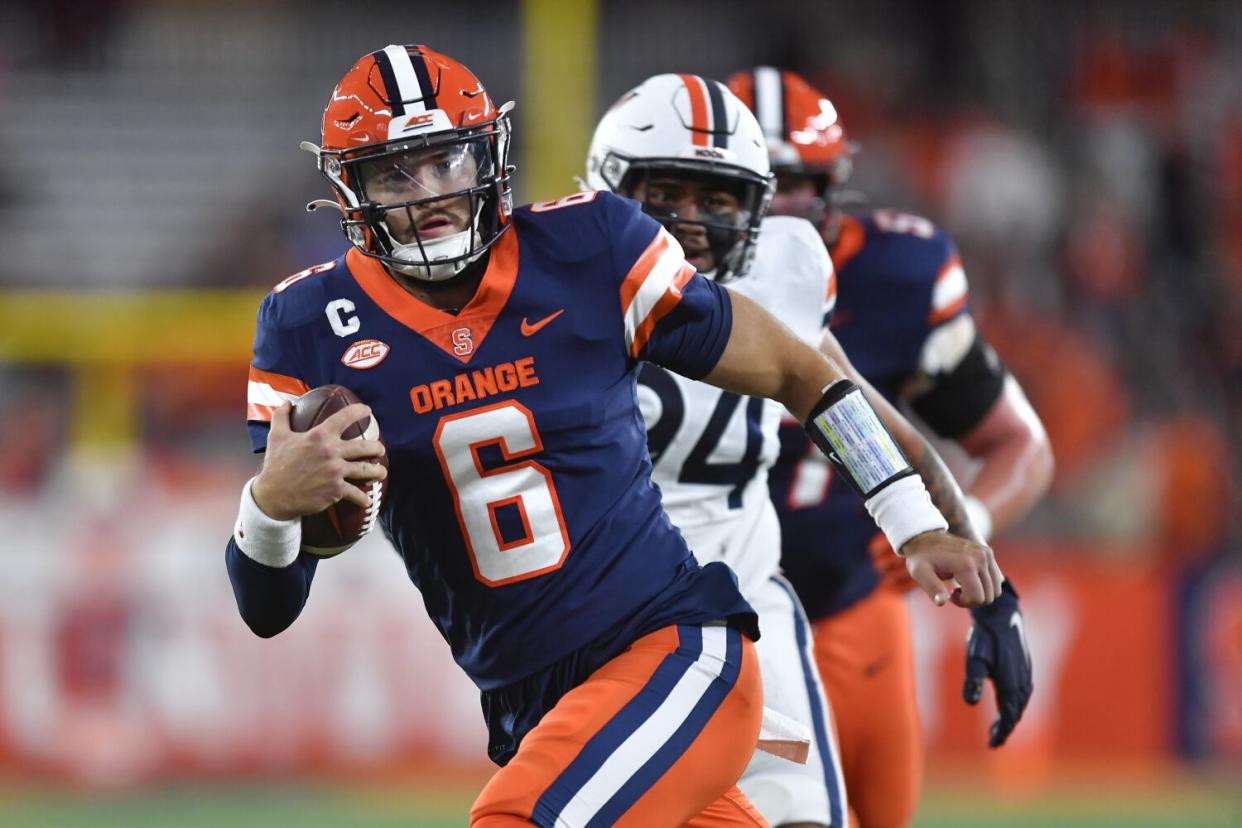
{"x": 269, "y": 599}
{"x": 670, "y": 315}
{"x": 830, "y": 295}
{"x": 276, "y": 375}
{"x": 950, "y": 330}
{"x": 965, "y": 376}
{"x": 960, "y": 397}
{"x": 815, "y": 299}
{"x": 792, "y": 277}
{"x": 950, "y": 292}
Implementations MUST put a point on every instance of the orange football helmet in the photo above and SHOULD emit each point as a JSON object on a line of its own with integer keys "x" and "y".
{"x": 804, "y": 135}
{"x": 418, "y": 158}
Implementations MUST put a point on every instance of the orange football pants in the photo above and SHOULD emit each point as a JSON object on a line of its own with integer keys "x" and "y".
{"x": 866, "y": 659}
{"x": 658, "y": 736}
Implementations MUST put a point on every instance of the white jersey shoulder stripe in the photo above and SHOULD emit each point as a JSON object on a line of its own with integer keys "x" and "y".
{"x": 950, "y": 291}
{"x": 264, "y": 394}
{"x": 266, "y": 391}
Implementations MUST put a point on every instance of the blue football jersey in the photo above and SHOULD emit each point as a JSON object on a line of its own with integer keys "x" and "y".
{"x": 899, "y": 280}
{"x": 519, "y": 491}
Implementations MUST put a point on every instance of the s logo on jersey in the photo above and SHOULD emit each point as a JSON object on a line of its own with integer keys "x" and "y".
{"x": 463, "y": 342}
{"x": 365, "y": 353}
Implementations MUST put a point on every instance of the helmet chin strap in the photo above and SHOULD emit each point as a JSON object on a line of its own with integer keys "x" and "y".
{"x": 420, "y": 266}
{"x": 435, "y": 260}
{"x": 425, "y": 260}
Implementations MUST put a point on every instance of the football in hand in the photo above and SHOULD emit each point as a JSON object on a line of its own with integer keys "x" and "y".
{"x": 342, "y": 524}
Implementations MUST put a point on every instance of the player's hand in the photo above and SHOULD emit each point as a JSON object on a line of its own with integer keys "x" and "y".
{"x": 996, "y": 649}
{"x": 935, "y": 557}
{"x": 306, "y": 472}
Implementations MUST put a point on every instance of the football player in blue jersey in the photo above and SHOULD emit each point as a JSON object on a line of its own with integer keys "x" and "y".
{"x": 497, "y": 348}
{"x": 902, "y": 318}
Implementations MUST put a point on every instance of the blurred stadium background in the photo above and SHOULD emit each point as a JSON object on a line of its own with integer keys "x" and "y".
{"x": 1087, "y": 157}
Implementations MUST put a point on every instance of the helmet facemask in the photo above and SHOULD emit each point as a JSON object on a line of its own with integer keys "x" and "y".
{"x": 825, "y": 191}
{"x": 428, "y": 206}
{"x": 730, "y": 233}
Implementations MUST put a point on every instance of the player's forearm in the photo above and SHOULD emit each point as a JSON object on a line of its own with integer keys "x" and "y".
{"x": 1016, "y": 459}
{"x": 268, "y": 598}
{"x": 941, "y": 485}
{"x": 763, "y": 358}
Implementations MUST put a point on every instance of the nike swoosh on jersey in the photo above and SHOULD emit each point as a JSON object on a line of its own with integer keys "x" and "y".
{"x": 874, "y": 667}
{"x": 529, "y": 329}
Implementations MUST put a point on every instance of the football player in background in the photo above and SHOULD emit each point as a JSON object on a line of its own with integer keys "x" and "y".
{"x": 695, "y": 157}
{"x": 902, "y": 317}
{"x": 618, "y": 677}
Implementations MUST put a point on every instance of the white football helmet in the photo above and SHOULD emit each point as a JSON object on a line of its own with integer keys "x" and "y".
{"x": 688, "y": 125}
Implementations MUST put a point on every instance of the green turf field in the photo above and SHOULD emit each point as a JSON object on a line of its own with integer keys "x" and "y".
{"x": 1193, "y": 803}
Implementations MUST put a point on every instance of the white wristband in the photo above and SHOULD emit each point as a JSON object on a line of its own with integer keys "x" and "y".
{"x": 264, "y": 539}
{"x": 980, "y": 517}
{"x": 904, "y": 509}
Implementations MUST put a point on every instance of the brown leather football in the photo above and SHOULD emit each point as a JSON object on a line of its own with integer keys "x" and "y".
{"x": 343, "y": 524}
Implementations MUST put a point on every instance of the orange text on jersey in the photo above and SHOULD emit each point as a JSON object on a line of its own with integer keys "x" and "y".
{"x": 474, "y": 385}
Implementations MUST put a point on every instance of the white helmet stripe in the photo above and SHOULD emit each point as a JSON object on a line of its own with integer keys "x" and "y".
{"x": 770, "y": 102}
{"x": 409, "y": 91}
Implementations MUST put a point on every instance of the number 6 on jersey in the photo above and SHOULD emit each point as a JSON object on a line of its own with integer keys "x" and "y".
{"x": 479, "y": 493}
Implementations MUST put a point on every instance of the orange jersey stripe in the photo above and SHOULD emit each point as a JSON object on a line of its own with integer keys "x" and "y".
{"x": 642, "y": 269}
{"x": 279, "y": 382}
{"x": 262, "y": 413}
{"x": 850, "y": 240}
{"x": 947, "y": 312}
{"x": 667, "y": 302}
{"x": 698, "y": 109}
{"x": 947, "y": 267}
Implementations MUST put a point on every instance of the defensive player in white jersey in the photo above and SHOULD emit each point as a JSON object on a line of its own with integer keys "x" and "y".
{"x": 695, "y": 157}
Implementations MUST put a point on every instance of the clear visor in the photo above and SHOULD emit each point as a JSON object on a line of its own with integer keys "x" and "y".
{"x": 413, "y": 175}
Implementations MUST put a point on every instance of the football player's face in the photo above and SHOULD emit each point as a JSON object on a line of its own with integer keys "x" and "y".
{"x": 796, "y": 195}
{"x": 423, "y": 174}
{"x": 693, "y": 200}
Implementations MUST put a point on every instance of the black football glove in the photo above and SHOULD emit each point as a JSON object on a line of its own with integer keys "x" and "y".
{"x": 996, "y": 649}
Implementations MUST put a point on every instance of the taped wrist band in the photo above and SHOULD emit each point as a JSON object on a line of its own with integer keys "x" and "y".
{"x": 905, "y": 510}
{"x": 846, "y": 428}
{"x": 264, "y": 539}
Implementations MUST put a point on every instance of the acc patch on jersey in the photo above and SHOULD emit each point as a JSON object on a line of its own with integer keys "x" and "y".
{"x": 365, "y": 353}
